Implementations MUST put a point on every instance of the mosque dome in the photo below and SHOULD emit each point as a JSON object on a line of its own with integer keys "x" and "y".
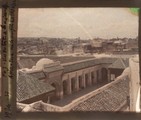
{"x": 40, "y": 64}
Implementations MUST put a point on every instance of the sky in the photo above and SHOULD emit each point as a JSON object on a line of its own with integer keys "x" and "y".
{"x": 86, "y": 23}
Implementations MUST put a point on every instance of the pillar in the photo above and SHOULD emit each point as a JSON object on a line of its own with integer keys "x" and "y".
{"x": 95, "y": 77}
{"x": 77, "y": 82}
{"x": 69, "y": 91}
{"x": 89, "y": 78}
{"x": 61, "y": 92}
{"x": 80, "y": 82}
{"x": 83, "y": 80}
{"x": 76, "y": 85}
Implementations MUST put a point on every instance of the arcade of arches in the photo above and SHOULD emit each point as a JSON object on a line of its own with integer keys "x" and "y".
{"x": 81, "y": 79}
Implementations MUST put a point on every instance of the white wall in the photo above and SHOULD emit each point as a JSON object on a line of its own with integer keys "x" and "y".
{"x": 134, "y": 85}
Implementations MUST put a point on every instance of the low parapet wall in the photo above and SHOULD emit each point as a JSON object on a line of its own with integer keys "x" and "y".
{"x": 134, "y": 85}
{"x": 38, "y": 106}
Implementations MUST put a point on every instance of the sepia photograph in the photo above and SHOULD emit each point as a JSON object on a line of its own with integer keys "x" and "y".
{"x": 77, "y": 59}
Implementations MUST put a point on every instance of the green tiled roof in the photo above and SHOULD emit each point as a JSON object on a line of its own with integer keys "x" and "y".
{"x": 119, "y": 64}
{"x": 109, "y": 99}
{"x": 29, "y": 86}
{"x": 88, "y": 63}
{"x": 53, "y": 68}
{"x": 39, "y": 75}
{"x": 25, "y": 63}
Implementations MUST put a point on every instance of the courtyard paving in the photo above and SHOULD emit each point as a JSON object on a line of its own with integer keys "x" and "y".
{"x": 69, "y": 98}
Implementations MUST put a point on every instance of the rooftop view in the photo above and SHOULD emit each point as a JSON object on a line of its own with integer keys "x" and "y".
{"x": 77, "y": 59}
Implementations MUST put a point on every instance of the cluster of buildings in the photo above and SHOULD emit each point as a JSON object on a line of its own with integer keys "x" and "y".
{"x": 113, "y": 46}
{"x": 34, "y": 46}
{"x": 59, "y": 46}
{"x": 47, "y": 82}
{"x": 45, "y": 46}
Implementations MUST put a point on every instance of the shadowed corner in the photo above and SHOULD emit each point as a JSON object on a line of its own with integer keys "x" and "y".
{"x": 87, "y": 115}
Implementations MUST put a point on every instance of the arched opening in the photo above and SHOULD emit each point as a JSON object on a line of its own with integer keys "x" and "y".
{"x": 92, "y": 77}
{"x": 54, "y": 97}
{"x": 104, "y": 75}
{"x": 65, "y": 86}
{"x": 97, "y": 74}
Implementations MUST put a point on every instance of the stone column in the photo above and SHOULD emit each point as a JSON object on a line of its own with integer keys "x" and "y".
{"x": 89, "y": 78}
{"x": 77, "y": 82}
{"x": 80, "y": 81}
{"x": 95, "y": 77}
{"x": 83, "y": 80}
{"x": 61, "y": 92}
{"x": 69, "y": 91}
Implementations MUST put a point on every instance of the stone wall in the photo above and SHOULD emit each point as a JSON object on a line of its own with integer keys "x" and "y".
{"x": 134, "y": 85}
